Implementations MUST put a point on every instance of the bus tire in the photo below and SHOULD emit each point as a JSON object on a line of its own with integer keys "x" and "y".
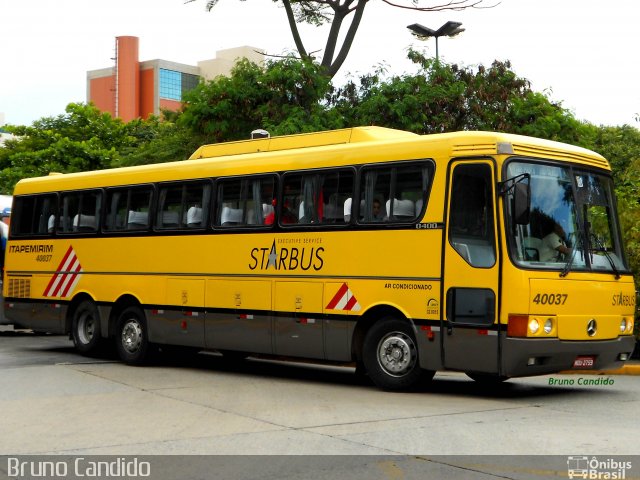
{"x": 132, "y": 342}
{"x": 390, "y": 355}
{"x": 85, "y": 328}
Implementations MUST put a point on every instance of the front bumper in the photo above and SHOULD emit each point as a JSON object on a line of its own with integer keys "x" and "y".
{"x": 523, "y": 357}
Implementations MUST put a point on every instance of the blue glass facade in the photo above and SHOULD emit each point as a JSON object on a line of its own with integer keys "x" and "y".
{"x": 173, "y": 84}
{"x": 170, "y": 84}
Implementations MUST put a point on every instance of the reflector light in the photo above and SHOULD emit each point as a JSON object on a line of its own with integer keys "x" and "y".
{"x": 517, "y": 326}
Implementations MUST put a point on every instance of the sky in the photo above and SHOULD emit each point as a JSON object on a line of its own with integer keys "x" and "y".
{"x": 582, "y": 53}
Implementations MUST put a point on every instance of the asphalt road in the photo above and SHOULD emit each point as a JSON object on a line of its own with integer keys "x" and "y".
{"x": 56, "y": 402}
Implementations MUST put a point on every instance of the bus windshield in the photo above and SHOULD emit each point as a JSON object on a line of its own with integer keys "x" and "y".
{"x": 572, "y": 222}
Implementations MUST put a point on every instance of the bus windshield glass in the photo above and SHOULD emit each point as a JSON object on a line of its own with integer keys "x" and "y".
{"x": 572, "y": 222}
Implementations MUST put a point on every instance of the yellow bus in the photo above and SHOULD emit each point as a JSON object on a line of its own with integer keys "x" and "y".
{"x": 491, "y": 254}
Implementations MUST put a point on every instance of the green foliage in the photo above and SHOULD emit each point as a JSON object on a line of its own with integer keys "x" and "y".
{"x": 309, "y": 11}
{"x": 163, "y": 141}
{"x": 82, "y": 139}
{"x": 283, "y": 97}
{"x": 621, "y": 146}
{"x": 442, "y": 97}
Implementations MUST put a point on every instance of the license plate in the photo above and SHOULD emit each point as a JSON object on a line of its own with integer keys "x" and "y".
{"x": 584, "y": 362}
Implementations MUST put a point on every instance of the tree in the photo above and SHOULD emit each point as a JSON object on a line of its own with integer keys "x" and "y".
{"x": 442, "y": 98}
{"x": 283, "y": 97}
{"x": 82, "y": 139}
{"x": 621, "y": 146}
{"x": 335, "y": 13}
{"x": 164, "y": 141}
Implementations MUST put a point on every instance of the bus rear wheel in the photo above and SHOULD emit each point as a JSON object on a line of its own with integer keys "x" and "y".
{"x": 390, "y": 355}
{"x": 132, "y": 342}
{"x": 85, "y": 328}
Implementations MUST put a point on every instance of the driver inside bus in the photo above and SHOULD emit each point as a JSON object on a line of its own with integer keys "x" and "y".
{"x": 553, "y": 246}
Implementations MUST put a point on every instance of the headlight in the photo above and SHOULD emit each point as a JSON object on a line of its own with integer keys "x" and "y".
{"x": 548, "y": 326}
{"x": 623, "y": 325}
{"x": 534, "y": 326}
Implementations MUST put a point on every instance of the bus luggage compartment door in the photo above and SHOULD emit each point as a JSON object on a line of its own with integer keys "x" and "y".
{"x": 239, "y": 315}
{"x": 298, "y": 322}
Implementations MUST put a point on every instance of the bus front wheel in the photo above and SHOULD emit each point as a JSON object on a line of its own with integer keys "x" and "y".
{"x": 85, "y": 327}
{"x": 132, "y": 341}
{"x": 390, "y": 355}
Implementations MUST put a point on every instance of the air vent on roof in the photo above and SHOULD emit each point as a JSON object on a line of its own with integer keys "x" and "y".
{"x": 260, "y": 133}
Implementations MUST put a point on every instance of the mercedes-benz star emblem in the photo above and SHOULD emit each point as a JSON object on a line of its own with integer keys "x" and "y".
{"x": 592, "y": 327}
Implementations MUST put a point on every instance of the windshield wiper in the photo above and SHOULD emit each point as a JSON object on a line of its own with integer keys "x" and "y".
{"x": 567, "y": 266}
{"x": 603, "y": 249}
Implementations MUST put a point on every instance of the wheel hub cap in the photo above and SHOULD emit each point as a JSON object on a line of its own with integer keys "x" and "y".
{"x": 86, "y": 328}
{"x": 131, "y": 336}
{"x": 396, "y": 354}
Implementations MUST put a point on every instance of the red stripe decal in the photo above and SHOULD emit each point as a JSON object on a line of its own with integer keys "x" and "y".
{"x": 351, "y": 303}
{"x": 71, "y": 278}
{"x": 53, "y": 278}
{"x": 63, "y": 284}
{"x": 334, "y": 301}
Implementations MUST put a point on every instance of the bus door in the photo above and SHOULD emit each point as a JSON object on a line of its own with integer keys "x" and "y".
{"x": 470, "y": 283}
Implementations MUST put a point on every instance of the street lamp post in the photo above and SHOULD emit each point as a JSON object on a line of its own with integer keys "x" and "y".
{"x": 449, "y": 29}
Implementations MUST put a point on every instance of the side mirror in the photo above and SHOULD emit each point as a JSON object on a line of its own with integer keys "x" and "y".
{"x": 521, "y": 203}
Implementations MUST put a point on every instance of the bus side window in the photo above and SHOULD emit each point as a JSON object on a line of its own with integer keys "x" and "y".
{"x": 289, "y": 206}
{"x": 34, "y": 213}
{"x": 394, "y": 192}
{"x": 245, "y": 202}
{"x": 195, "y": 205}
{"x": 180, "y": 205}
{"x": 337, "y": 187}
{"x": 138, "y": 207}
{"x": 229, "y": 211}
{"x": 80, "y": 211}
{"x": 169, "y": 206}
{"x": 471, "y": 215}
{"x": 128, "y": 208}
{"x": 316, "y": 198}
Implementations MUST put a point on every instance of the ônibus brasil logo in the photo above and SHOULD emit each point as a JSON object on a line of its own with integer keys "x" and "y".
{"x": 595, "y": 468}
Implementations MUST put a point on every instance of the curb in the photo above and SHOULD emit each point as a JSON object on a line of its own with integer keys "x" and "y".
{"x": 633, "y": 369}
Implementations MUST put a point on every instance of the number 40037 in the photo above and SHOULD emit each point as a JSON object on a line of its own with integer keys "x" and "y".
{"x": 550, "y": 298}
